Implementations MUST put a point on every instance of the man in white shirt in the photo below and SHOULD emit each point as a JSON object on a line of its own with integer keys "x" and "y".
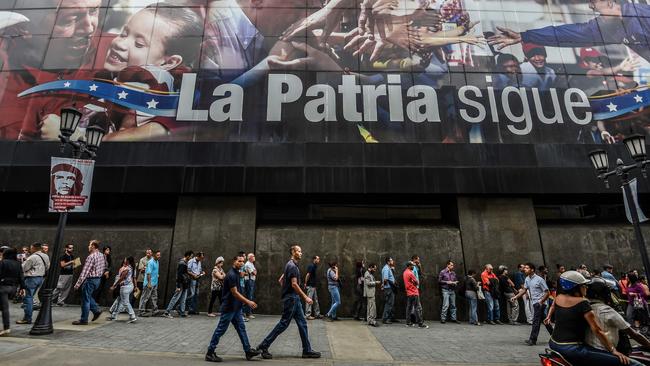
{"x": 250, "y": 275}
{"x": 34, "y": 269}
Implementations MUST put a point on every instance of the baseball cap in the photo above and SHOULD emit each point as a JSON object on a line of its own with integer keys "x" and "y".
{"x": 531, "y": 49}
{"x": 571, "y": 279}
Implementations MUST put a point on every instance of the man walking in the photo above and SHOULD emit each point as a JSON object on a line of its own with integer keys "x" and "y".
{"x": 389, "y": 286}
{"x": 448, "y": 281}
{"x": 606, "y": 274}
{"x": 142, "y": 267}
{"x": 369, "y": 288}
{"x": 64, "y": 283}
{"x": 195, "y": 271}
{"x": 311, "y": 282}
{"x": 231, "y": 312}
{"x": 182, "y": 286}
{"x": 34, "y": 270}
{"x": 250, "y": 274}
{"x": 292, "y": 308}
{"x": 538, "y": 292}
{"x": 89, "y": 281}
{"x": 412, "y": 296}
{"x": 489, "y": 280}
{"x": 150, "y": 285}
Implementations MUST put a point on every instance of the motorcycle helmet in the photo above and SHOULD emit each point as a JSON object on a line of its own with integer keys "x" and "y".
{"x": 599, "y": 289}
{"x": 570, "y": 279}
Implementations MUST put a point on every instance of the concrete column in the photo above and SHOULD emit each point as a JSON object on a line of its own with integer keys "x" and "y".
{"x": 498, "y": 231}
{"x": 217, "y": 226}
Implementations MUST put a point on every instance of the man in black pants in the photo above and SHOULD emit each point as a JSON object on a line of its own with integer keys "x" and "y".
{"x": 292, "y": 308}
{"x": 538, "y": 293}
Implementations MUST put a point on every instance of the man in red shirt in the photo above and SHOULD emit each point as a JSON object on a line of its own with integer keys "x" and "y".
{"x": 489, "y": 280}
{"x": 412, "y": 296}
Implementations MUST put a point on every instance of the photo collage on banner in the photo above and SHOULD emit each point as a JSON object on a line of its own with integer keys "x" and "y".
{"x": 413, "y": 71}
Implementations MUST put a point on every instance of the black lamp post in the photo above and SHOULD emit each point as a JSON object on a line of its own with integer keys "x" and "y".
{"x": 635, "y": 146}
{"x": 69, "y": 122}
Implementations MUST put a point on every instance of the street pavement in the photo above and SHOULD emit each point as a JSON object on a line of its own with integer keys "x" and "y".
{"x": 184, "y": 341}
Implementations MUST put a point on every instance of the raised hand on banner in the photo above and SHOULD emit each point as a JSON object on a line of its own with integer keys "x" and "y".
{"x": 315, "y": 59}
{"x": 506, "y": 37}
{"x": 326, "y": 18}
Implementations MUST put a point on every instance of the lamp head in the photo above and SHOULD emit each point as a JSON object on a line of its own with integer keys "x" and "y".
{"x": 599, "y": 160}
{"x": 94, "y": 136}
{"x": 635, "y": 146}
{"x": 70, "y": 118}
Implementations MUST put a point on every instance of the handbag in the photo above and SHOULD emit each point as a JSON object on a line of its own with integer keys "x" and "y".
{"x": 136, "y": 293}
{"x": 638, "y": 303}
{"x": 480, "y": 294}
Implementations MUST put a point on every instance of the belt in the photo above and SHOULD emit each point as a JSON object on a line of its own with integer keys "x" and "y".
{"x": 565, "y": 343}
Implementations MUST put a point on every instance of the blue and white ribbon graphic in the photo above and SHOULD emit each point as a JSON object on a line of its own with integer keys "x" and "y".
{"x": 156, "y": 104}
{"x": 618, "y": 105}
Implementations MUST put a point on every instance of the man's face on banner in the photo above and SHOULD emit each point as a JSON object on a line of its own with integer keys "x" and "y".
{"x": 76, "y": 23}
{"x": 64, "y": 182}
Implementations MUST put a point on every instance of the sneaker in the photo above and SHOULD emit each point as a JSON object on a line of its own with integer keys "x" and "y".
{"x": 491, "y": 322}
{"x": 110, "y": 318}
{"x": 442, "y": 321}
{"x": 252, "y": 353}
{"x": 60, "y": 304}
{"x": 386, "y": 321}
{"x": 373, "y": 325}
{"x": 212, "y": 315}
{"x": 23, "y": 321}
{"x": 498, "y": 322}
{"x": 96, "y": 315}
{"x": 310, "y": 318}
{"x": 328, "y": 319}
{"x": 79, "y": 322}
{"x": 319, "y": 316}
{"x": 245, "y": 319}
{"x": 455, "y": 321}
{"x": 528, "y": 342}
{"x": 409, "y": 325}
{"x": 168, "y": 315}
{"x": 423, "y": 326}
{"x": 311, "y": 354}
{"x": 251, "y": 316}
{"x": 212, "y": 357}
{"x": 265, "y": 353}
{"x": 132, "y": 320}
{"x": 4, "y": 333}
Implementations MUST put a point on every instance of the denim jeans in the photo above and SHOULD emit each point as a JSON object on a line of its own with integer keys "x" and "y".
{"x": 389, "y": 302}
{"x": 249, "y": 288}
{"x": 234, "y": 317}
{"x": 193, "y": 297}
{"x": 125, "y": 295}
{"x": 179, "y": 297}
{"x": 448, "y": 303}
{"x": 336, "y": 301}
{"x": 291, "y": 309}
{"x": 493, "y": 310}
{"x": 88, "y": 303}
{"x": 31, "y": 285}
{"x": 583, "y": 355}
{"x": 473, "y": 302}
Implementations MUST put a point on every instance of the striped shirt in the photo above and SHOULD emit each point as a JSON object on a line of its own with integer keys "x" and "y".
{"x": 94, "y": 267}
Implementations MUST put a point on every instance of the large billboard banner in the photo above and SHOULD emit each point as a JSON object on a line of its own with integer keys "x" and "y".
{"x": 449, "y": 71}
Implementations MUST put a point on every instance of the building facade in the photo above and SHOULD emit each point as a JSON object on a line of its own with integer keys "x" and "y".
{"x": 459, "y": 130}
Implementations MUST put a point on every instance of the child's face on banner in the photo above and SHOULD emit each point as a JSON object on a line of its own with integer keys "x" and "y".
{"x": 142, "y": 42}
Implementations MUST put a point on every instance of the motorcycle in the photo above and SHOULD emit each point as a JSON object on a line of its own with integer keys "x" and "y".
{"x": 552, "y": 358}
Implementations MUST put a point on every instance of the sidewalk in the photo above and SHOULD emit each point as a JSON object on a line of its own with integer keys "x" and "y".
{"x": 184, "y": 341}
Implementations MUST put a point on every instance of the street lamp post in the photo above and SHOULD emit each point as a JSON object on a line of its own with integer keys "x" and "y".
{"x": 635, "y": 146}
{"x": 70, "y": 118}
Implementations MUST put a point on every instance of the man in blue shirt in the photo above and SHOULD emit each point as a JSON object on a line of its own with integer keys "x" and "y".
{"x": 231, "y": 305}
{"x": 389, "y": 287}
{"x": 539, "y": 293}
{"x": 292, "y": 308}
{"x": 618, "y": 23}
{"x": 607, "y": 275}
{"x": 150, "y": 285}
{"x": 195, "y": 271}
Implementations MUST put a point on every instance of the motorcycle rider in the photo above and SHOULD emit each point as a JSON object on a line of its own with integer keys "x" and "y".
{"x": 573, "y": 317}
{"x": 611, "y": 322}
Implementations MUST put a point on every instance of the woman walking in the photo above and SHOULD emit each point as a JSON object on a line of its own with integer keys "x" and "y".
{"x": 471, "y": 293}
{"x": 333, "y": 285}
{"x": 217, "y": 284}
{"x": 124, "y": 280}
{"x": 11, "y": 278}
{"x": 637, "y": 303}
